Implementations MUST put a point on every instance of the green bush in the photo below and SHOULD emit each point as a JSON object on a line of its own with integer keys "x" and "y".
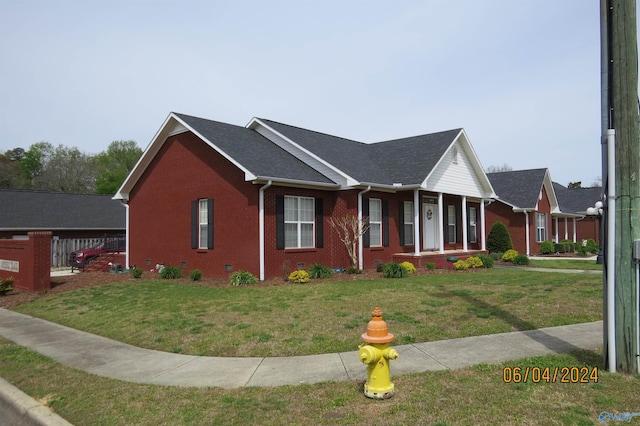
{"x": 499, "y": 239}
{"x": 300, "y": 276}
{"x": 474, "y": 262}
{"x": 394, "y": 270}
{"x": 6, "y": 285}
{"x": 592, "y": 247}
{"x": 509, "y": 255}
{"x": 547, "y": 247}
{"x": 170, "y": 272}
{"x": 565, "y": 246}
{"x": 195, "y": 275}
{"x": 521, "y": 259}
{"x": 496, "y": 255}
{"x": 353, "y": 270}
{"x": 430, "y": 265}
{"x": 136, "y": 272}
{"x": 409, "y": 267}
{"x": 487, "y": 262}
{"x": 242, "y": 277}
{"x": 319, "y": 271}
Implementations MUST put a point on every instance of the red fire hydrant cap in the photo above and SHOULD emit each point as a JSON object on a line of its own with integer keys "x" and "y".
{"x": 377, "y": 331}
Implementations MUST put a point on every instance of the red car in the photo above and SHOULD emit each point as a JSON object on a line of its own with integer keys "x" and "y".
{"x": 81, "y": 258}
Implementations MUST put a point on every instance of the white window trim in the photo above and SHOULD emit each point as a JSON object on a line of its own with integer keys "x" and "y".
{"x": 473, "y": 225}
{"x": 203, "y": 223}
{"x": 451, "y": 208}
{"x": 408, "y": 207}
{"x": 375, "y": 223}
{"x": 299, "y": 222}
{"x": 541, "y": 217}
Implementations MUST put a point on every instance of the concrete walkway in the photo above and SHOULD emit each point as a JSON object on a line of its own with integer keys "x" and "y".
{"x": 110, "y": 358}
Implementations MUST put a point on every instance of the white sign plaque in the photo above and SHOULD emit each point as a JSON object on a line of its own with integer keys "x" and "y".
{"x": 9, "y": 265}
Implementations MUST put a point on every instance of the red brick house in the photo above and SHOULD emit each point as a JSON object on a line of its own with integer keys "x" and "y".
{"x": 221, "y": 198}
{"x": 535, "y": 209}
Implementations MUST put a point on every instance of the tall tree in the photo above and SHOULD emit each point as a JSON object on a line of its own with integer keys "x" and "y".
{"x": 115, "y": 164}
{"x": 67, "y": 170}
{"x": 33, "y": 161}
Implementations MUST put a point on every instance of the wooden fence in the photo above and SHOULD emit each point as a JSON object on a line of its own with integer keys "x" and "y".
{"x": 62, "y": 249}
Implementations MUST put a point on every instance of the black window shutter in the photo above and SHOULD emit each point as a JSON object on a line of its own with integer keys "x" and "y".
{"x": 385, "y": 223}
{"x": 194, "y": 224}
{"x": 279, "y": 222}
{"x": 210, "y": 222}
{"x": 401, "y": 222}
{"x": 319, "y": 224}
{"x": 366, "y": 241}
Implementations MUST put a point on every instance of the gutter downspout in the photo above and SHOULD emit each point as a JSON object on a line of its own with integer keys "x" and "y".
{"x": 526, "y": 227}
{"x": 483, "y": 228}
{"x": 360, "y": 242}
{"x": 261, "y": 226}
{"x": 125, "y": 203}
{"x": 416, "y": 220}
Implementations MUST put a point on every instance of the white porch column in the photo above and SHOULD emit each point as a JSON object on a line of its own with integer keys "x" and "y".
{"x": 416, "y": 220}
{"x": 556, "y": 233}
{"x": 483, "y": 227}
{"x": 566, "y": 229}
{"x": 575, "y": 231}
{"x": 441, "y": 221}
{"x": 527, "y": 238}
{"x": 464, "y": 224}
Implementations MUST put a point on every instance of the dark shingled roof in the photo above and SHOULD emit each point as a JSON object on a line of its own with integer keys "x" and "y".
{"x": 576, "y": 200}
{"x": 253, "y": 151}
{"x": 519, "y": 188}
{"x": 407, "y": 161}
{"x": 47, "y": 211}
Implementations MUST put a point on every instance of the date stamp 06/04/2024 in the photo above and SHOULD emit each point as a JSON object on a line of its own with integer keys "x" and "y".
{"x": 550, "y": 374}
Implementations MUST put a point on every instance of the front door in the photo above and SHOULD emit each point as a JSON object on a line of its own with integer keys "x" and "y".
{"x": 430, "y": 234}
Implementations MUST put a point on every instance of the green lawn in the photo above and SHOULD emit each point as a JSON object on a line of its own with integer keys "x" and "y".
{"x": 326, "y": 316}
{"x": 583, "y": 264}
{"x": 322, "y": 316}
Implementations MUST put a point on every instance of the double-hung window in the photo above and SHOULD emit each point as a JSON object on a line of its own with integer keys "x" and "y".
{"x": 472, "y": 225}
{"x": 408, "y": 222}
{"x": 451, "y": 224}
{"x": 203, "y": 223}
{"x": 299, "y": 222}
{"x": 375, "y": 222}
{"x": 541, "y": 227}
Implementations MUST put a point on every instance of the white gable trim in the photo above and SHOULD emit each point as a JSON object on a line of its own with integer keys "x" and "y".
{"x": 302, "y": 154}
{"x": 459, "y": 172}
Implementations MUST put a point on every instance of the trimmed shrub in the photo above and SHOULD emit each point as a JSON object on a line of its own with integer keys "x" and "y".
{"x": 509, "y": 255}
{"x": 393, "y": 270}
{"x": 409, "y": 267}
{"x": 242, "y": 277}
{"x": 487, "y": 262}
{"x": 547, "y": 247}
{"x": 460, "y": 265}
{"x": 319, "y": 271}
{"x": 379, "y": 265}
{"x": 521, "y": 259}
{"x": 170, "y": 272}
{"x": 6, "y": 285}
{"x": 592, "y": 246}
{"x": 300, "y": 276}
{"x": 499, "y": 239}
{"x": 136, "y": 272}
{"x": 474, "y": 262}
{"x": 430, "y": 265}
{"x": 565, "y": 246}
{"x": 353, "y": 270}
{"x": 496, "y": 255}
{"x": 195, "y": 275}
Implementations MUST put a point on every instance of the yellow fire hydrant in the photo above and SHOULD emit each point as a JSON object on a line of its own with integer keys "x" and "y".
{"x": 376, "y": 354}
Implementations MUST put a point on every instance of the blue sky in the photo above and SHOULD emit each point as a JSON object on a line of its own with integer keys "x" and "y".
{"x": 522, "y": 77}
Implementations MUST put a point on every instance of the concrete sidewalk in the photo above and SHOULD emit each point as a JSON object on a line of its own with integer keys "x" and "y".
{"x": 110, "y": 358}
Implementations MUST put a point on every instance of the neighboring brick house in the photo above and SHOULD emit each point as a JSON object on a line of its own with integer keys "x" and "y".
{"x": 526, "y": 203}
{"x": 221, "y": 198}
{"x": 65, "y": 215}
{"x": 576, "y": 225}
{"x": 535, "y": 209}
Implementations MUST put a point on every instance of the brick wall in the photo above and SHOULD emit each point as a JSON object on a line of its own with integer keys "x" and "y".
{"x": 28, "y": 261}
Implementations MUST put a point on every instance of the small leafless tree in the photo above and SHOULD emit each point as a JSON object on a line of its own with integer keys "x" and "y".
{"x": 350, "y": 229}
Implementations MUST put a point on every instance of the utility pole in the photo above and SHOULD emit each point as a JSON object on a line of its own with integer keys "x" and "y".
{"x": 623, "y": 118}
